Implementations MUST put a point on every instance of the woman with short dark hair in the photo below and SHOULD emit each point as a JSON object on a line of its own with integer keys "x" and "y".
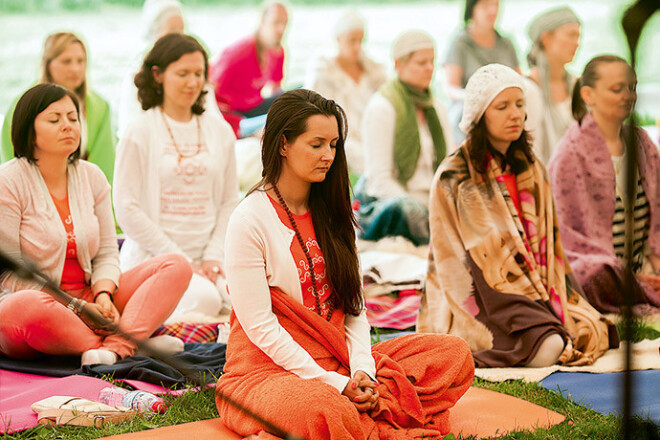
{"x": 175, "y": 182}
{"x": 299, "y": 350}
{"x": 497, "y": 273}
{"x": 55, "y": 210}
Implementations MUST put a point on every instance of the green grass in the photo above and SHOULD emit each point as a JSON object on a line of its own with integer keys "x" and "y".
{"x": 640, "y": 331}
{"x": 580, "y": 423}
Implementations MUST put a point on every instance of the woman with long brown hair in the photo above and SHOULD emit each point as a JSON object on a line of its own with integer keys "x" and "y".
{"x": 498, "y": 276}
{"x": 299, "y": 348}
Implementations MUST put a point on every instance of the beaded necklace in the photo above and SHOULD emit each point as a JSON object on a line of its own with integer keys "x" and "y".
{"x": 176, "y": 147}
{"x": 309, "y": 258}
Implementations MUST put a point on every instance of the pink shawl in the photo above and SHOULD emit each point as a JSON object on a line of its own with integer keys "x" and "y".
{"x": 583, "y": 183}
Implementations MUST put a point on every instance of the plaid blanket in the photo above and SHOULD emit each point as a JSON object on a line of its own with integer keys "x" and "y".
{"x": 398, "y": 310}
{"x": 190, "y": 332}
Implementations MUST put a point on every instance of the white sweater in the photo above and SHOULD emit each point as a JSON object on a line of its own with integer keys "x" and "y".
{"x": 539, "y": 121}
{"x": 136, "y": 188}
{"x": 378, "y": 125}
{"x": 258, "y": 257}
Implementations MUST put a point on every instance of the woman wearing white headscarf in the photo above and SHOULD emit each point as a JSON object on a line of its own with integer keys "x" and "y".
{"x": 555, "y": 38}
{"x": 406, "y": 135}
{"x": 498, "y": 276}
{"x": 350, "y": 78}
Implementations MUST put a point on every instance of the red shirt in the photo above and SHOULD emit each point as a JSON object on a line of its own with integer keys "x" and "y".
{"x": 512, "y": 187}
{"x": 73, "y": 275}
{"x": 306, "y": 228}
{"x": 239, "y": 78}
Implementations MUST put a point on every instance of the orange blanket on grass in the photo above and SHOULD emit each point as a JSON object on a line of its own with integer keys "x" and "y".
{"x": 420, "y": 378}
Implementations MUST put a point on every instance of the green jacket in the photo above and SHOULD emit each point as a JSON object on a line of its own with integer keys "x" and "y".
{"x": 100, "y": 137}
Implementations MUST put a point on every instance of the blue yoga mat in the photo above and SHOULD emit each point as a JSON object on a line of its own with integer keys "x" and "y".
{"x": 604, "y": 392}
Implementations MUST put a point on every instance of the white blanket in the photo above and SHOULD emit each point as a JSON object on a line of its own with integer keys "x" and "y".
{"x": 645, "y": 357}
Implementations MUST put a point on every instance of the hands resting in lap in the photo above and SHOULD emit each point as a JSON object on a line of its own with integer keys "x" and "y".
{"x": 361, "y": 391}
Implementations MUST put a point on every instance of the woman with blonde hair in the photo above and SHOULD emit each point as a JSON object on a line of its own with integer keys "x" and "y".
{"x": 64, "y": 62}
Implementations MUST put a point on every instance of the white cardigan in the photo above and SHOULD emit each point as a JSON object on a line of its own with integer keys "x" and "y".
{"x": 136, "y": 188}
{"x": 258, "y": 257}
{"x": 378, "y": 125}
{"x": 539, "y": 121}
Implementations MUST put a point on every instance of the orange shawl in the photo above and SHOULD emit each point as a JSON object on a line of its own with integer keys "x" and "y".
{"x": 420, "y": 377}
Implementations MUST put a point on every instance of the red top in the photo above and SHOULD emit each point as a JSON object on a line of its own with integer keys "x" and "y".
{"x": 512, "y": 187}
{"x": 306, "y": 228}
{"x": 239, "y": 78}
{"x": 73, "y": 275}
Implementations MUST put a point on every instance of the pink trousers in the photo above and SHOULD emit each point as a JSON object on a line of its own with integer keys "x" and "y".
{"x": 32, "y": 322}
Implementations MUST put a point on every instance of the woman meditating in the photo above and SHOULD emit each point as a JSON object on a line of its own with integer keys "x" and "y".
{"x": 64, "y": 62}
{"x": 476, "y": 44}
{"x": 405, "y": 137}
{"x": 589, "y": 181}
{"x": 299, "y": 349}
{"x": 175, "y": 182}
{"x": 55, "y": 210}
{"x": 497, "y": 273}
{"x": 555, "y": 36}
{"x": 350, "y": 78}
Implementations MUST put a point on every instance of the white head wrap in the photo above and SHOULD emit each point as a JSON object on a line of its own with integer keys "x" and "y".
{"x": 349, "y": 21}
{"x": 411, "y": 41}
{"x": 551, "y": 20}
{"x": 154, "y": 14}
{"x": 482, "y": 87}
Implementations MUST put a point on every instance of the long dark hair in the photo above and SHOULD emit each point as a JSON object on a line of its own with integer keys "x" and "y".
{"x": 329, "y": 200}
{"x": 479, "y": 147}
{"x": 166, "y": 51}
{"x": 28, "y": 107}
{"x": 589, "y": 78}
